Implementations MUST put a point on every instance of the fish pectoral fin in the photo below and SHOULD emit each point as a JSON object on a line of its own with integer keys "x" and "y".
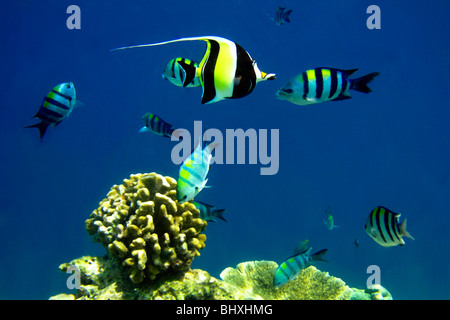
{"x": 305, "y": 97}
{"x": 144, "y": 129}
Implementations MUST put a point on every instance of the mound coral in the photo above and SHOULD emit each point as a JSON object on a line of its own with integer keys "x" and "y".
{"x": 142, "y": 225}
{"x": 311, "y": 284}
{"x": 102, "y": 278}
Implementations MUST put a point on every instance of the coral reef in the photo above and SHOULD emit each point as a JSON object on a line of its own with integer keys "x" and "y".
{"x": 311, "y": 284}
{"x": 143, "y": 226}
{"x": 152, "y": 240}
{"x": 104, "y": 278}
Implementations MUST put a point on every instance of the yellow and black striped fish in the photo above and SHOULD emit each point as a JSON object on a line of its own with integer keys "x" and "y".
{"x": 323, "y": 84}
{"x": 182, "y": 73}
{"x": 383, "y": 226}
{"x": 57, "y": 105}
{"x": 226, "y": 71}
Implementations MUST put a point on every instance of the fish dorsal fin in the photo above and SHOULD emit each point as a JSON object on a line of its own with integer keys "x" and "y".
{"x": 349, "y": 72}
{"x": 204, "y": 38}
{"x": 302, "y": 248}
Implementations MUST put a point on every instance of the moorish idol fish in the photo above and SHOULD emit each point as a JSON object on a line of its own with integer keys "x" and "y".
{"x": 153, "y": 123}
{"x": 193, "y": 171}
{"x": 323, "y": 84}
{"x": 383, "y": 226}
{"x": 57, "y": 105}
{"x": 329, "y": 220}
{"x": 182, "y": 72}
{"x": 208, "y": 212}
{"x": 282, "y": 16}
{"x": 291, "y": 267}
{"x": 226, "y": 70}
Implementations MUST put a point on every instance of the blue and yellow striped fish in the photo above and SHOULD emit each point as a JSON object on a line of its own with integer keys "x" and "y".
{"x": 193, "y": 171}
{"x": 57, "y": 105}
{"x": 291, "y": 267}
{"x": 226, "y": 70}
{"x": 208, "y": 212}
{"x": 182, "y": 72}
{"x": 383, "y": 226}
{"x": 158, "y": 126}
{"x": 323, "y": 84}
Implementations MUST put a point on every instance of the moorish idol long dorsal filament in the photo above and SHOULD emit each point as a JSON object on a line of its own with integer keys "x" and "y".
{"x": 226, "y": 71}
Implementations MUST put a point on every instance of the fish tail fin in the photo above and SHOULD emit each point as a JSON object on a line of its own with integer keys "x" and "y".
{"x": 318, "y": 256}
{"x": 219, "y": 214}
{"x": 286, "y": 16}
{"x": 404, "y": 232}
{"x": 42, "y": 126}
{"x": 360, "y": 84}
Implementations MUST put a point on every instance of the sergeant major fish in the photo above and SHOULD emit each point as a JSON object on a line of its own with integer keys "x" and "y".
{"x": 158, "y": 126}
{"x": 323, "y": 84}
{"x": 383, "y": 226}
{"x": 291, "y": 267}
{"x": 57, "y": 105}
{"x": 182, "y": 72}
{"x": 282, "y": 16}
{"x": 226, "y": 70}
{"x": 208, "y": 212}
{"x": 193, "y": 171}
{"x": 329, "y": 220}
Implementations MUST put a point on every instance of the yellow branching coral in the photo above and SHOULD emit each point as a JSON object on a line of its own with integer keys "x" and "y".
{"x": 142, "y": 224}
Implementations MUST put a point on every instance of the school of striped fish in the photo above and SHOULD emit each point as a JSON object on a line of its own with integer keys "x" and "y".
{"x": 227, "y": 71}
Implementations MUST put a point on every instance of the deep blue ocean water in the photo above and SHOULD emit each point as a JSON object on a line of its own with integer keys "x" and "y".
{"x": 390, "y": 147}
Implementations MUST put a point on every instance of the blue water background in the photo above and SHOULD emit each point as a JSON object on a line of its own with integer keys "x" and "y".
{"x": 388, "y": 148}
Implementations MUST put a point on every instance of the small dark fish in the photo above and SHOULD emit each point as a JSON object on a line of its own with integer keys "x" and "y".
{"x": 208, "y": 212}
{"x": 357, "y": 243}
{"x": 158, "y": 126}
{"x": 282, "y": 16}
{"x": 383, "y": 226}
{"x": 329, "y": 221}
{"x": 57, "y": 105}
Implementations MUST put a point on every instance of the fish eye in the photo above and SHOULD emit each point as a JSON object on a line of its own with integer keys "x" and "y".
{"x": 185, "y": 197}
{"x": 289, "y": 91}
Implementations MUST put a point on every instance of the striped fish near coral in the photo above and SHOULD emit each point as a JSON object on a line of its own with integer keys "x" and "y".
{"x": 208, "y": 212}
{"x": 158, "y": 126}
{"x": 323, "y": 84}
{"x": 182, "y": 73}
{"x": 226, "y": 70}
{"x": 291, "y": 267}
{"x": 57, "y": 105}
{"x": 193, "y": 172}
{"x": 383, "y": 226}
